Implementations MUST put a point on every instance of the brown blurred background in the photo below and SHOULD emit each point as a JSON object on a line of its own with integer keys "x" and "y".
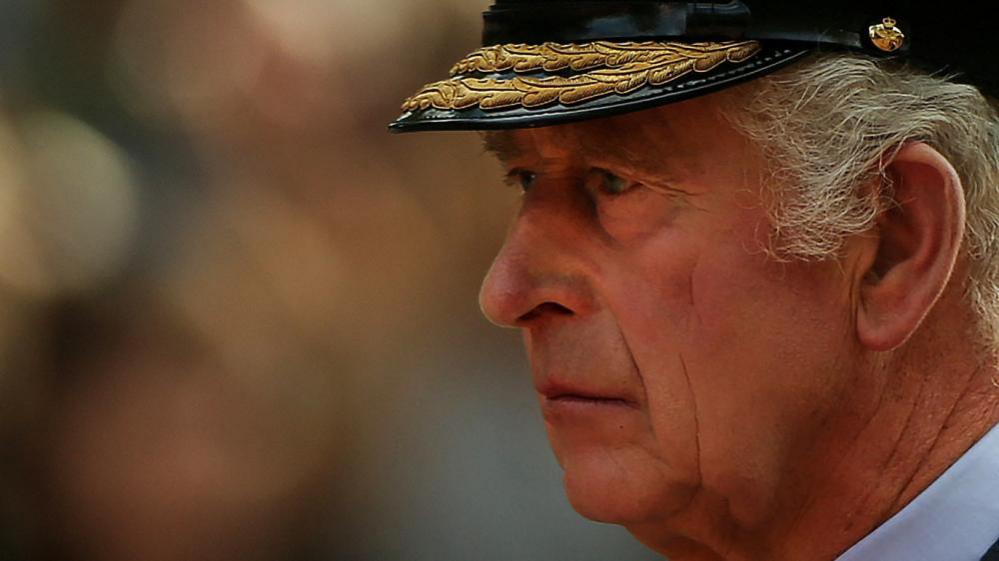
{"x": 238, "y": 319}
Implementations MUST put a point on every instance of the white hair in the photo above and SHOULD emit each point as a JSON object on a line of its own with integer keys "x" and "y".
{"x": 829, "y": 126}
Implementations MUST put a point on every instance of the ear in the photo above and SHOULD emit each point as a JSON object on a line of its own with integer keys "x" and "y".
{"x": 919, "y": 238}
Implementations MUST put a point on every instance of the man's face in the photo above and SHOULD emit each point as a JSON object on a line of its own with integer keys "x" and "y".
{"x": 683, "y": 372}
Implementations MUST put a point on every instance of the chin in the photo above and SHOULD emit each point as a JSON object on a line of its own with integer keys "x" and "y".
{"x": 623, "y": 487}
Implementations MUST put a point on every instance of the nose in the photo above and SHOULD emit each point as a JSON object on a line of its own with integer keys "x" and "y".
{"x": 542, "y": 271}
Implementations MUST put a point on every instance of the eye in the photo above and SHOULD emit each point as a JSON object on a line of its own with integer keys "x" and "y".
{"x": 608, "y": 183}
{"x": 521, "y": 178}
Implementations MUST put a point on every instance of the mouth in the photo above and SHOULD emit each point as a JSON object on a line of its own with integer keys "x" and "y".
{"x": 555, "y": 396}
{"x": 570, "y": 399}
{"x": 578, "y": 410}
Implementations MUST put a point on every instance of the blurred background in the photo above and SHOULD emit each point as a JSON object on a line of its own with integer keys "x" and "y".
{"x": 238, "y": 319}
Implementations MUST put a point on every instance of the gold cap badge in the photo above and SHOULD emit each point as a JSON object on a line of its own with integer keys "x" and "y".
{"x": 887, "y": 36}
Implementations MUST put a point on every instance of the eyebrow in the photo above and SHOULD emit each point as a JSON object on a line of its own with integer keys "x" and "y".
{"x": 608, "y": 143}
{"x": 500, "y": 144}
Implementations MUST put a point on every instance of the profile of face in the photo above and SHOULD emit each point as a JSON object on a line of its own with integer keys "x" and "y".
{"x": 684, "y": 372}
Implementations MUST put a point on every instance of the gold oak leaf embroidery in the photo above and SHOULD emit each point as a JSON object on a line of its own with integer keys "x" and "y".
{"x": 606, "y": 68}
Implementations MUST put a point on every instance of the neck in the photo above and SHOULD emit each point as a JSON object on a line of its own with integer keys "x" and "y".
{"x": 913, "y": 437}
{"x": 926, "y": 405}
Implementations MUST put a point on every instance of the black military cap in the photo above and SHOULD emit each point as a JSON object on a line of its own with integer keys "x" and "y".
{"x": 552, "y": 61}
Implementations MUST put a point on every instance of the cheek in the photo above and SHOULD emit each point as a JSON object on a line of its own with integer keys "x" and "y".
{"x": 655, "y": 311}
{"x": 736, "y": 353}
{"x": 757, "y": 312}
{"x": 765, "y": 354}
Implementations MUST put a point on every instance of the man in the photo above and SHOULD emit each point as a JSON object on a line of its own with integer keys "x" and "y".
{"x": 755, "y": 267}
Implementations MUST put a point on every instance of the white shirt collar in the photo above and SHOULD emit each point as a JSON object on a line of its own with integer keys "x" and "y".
{"x": 954, "y": 519}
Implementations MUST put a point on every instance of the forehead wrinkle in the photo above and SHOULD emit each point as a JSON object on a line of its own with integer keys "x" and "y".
{"x": 609, "y": 142}
{"x": 644, "y": 140}
{"x": 545, "y": 144}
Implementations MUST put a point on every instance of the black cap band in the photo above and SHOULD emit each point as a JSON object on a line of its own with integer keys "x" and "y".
{"x": 546, "y": 62}
{"x": 516, "y": 21}
{"x": 947, "y": 39}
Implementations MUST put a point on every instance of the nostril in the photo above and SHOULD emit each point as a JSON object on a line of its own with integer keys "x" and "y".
{"x": 545, "y": 308}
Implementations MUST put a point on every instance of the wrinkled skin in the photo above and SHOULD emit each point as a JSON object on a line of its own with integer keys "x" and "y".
{"x": 695, "y": 389}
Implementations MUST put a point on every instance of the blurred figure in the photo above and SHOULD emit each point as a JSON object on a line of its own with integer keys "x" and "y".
{"x": 238, "y": 320}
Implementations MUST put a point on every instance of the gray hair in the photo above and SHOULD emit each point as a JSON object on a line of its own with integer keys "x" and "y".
{"x": 829, "y": 125}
